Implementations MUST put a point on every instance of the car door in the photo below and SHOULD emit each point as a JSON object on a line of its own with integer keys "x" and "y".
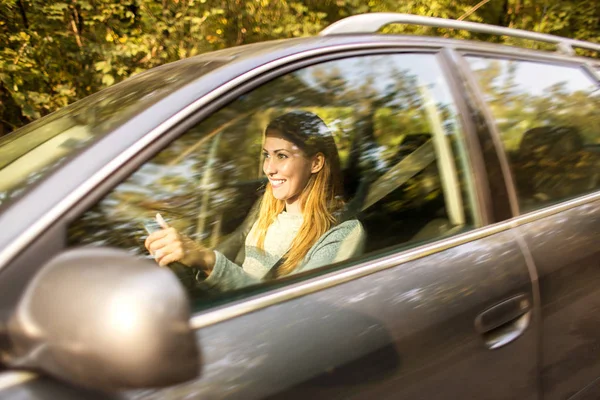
{"x": 552, "y": 147}
{"x": 439, "y": 302}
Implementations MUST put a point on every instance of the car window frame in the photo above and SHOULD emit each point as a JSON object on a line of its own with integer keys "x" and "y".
{"x": 593, "y": 70}
{"x": 352, "y": 269}
{"x": 158, "y": 136}
{"x": 549, "y": 59}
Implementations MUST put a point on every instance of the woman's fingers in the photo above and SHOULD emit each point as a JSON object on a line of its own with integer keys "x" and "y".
{"x": 168, "y": 246}
{"x": 161, "y": 221}
{"x": 161, "y": 238}
{"x": 154, "y": 236}
{"x": 168, "y": 259}
{"x": 169, "y": 254}
{"x": 162, "y": 242}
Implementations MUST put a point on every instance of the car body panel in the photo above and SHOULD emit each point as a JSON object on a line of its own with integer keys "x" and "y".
{"x": 405, "y": 332}
{"x": 566, "y": 253}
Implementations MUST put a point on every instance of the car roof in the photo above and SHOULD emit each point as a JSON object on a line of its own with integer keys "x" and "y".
{"x": 285, "y": 47}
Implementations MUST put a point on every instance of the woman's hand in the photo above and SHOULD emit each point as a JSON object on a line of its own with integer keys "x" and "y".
{"x": 168, "y": 246}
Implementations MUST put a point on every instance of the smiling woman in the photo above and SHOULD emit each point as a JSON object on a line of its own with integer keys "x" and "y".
{"x": 299, "y": 225}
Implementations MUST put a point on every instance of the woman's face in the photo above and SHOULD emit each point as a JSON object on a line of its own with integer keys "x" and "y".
{"x": 288, "y": 168}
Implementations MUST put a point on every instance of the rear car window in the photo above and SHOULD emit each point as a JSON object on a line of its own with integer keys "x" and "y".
{"x": 548, "y": 120}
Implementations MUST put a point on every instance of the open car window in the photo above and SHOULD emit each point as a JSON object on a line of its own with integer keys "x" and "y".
{"x": 405, "y": 172}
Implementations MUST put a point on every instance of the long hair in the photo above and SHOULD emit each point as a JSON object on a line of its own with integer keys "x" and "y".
{"x": 321, "y": 197}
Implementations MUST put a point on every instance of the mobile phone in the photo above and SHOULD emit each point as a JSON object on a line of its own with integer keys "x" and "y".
{"x": 150, "y": 225}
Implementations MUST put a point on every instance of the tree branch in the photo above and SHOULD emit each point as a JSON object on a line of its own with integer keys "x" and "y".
{"x": 23, "y": 14}
{"x": 75, "y": 30}
{"x": 472, "y": 10}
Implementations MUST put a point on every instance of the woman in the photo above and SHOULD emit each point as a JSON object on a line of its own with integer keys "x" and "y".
{"x": 298, "y": 225}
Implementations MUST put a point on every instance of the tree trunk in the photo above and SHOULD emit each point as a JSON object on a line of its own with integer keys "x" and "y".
{"x": 23, "y": 14}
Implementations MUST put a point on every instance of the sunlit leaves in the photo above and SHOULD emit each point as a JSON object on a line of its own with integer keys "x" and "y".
{"x": 87, "y": 45}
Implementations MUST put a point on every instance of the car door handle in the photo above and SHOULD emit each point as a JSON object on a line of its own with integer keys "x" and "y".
{"x": 504, "y": 322}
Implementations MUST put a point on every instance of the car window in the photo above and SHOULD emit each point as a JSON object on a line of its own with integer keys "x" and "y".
{"x": 404, "y": 175}
{"x": 548, "y": 120}
{"x": 30, "y": 152}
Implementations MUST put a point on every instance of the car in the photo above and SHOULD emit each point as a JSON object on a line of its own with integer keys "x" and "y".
{"x": 473, "y": 168}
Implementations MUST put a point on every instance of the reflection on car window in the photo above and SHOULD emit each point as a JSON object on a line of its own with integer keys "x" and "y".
{"x": 28, "y": 153}
{"x": 403, "y": 178}
{"x": 548, "y": 120}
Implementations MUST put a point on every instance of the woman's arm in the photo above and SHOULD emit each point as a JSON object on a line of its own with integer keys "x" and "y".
{"x": 342, "y": 242}
{"x": 339, "y": 243}
{"x": 227, "y": 275}
{"x": 169, "y": 246}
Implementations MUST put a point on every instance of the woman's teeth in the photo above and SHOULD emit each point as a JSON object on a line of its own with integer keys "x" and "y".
{"x": 277, "y": 182}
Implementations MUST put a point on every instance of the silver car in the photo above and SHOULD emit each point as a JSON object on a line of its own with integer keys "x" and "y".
{"x": 473, "y": 167}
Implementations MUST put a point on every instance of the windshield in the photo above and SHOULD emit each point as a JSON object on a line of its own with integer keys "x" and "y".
{"x": 30, "y": 152}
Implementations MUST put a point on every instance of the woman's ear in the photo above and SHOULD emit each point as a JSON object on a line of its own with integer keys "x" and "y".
{"x": 317, "y": 163}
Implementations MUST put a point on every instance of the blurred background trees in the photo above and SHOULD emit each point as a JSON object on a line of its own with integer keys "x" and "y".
{"x": 55, "y": 52}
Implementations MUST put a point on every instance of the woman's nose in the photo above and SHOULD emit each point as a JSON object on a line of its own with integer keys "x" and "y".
{"x": 269, "y": 167}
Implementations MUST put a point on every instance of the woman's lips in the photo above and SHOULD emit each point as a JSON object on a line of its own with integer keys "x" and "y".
{"x": 275, "y": 183}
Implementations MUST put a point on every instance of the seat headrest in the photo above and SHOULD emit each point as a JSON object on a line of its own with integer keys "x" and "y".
{"x": 550, "y": 141}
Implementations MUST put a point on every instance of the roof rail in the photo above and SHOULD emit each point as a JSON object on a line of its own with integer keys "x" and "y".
{"x": 373, "y": 22}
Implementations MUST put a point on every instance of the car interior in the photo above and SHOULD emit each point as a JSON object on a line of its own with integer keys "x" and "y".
{"x": 398, "y": 200}
{"x": 553, "y": 162}
{"x": 397, "y": 194}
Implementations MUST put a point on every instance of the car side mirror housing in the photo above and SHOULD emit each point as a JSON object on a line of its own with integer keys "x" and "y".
{"x": 104, "y": 319}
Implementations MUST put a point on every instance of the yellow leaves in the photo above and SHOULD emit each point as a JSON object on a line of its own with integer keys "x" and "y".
{"x": 108, "y": 80}
{"x": 112, "y": 37}
{"x": 155, "y": 32}
{"x": 103, "y": 66}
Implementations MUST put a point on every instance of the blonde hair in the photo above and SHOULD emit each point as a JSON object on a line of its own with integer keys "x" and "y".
{"x": 320, "y": 198}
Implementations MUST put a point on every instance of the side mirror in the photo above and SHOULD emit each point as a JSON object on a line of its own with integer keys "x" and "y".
{"x": 102, "y": 319}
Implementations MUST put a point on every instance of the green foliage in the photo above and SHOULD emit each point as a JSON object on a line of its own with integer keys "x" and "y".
{"x": 55, "y": 52}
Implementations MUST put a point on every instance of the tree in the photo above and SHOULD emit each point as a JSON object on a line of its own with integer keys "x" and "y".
{"x": 55, "y": 52}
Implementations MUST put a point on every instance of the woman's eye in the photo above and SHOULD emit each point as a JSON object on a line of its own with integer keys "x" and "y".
{"x": 281, "y": 156}
{"x": 266, "y": 155}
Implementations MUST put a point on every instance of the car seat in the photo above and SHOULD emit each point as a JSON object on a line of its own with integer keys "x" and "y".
{"x": 404, "y": 200}
{"x": 552, "y": 164}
